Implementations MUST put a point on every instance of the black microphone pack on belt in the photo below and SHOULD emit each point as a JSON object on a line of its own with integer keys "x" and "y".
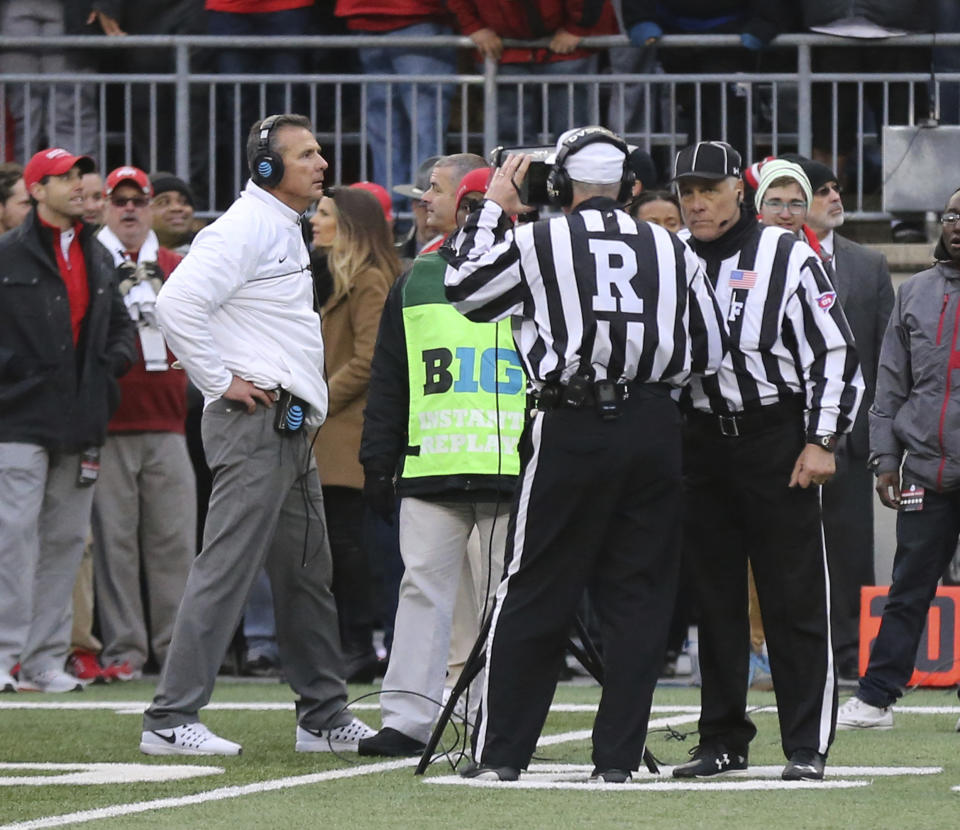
{"x": 580, "y": 392}
{"x": 290, "y": 412}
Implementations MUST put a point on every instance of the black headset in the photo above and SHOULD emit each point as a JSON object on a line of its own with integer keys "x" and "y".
{"x": 266, "y": 169}
{"x": 559, "y": 184}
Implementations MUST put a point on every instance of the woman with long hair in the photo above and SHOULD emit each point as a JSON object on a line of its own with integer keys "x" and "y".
{"x": 350, "y": 225}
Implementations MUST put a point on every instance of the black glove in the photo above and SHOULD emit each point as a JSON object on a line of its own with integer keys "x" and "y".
{"x": 380, "y": 495}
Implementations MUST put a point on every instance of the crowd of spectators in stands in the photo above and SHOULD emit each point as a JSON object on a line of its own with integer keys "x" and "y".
{"x": 404, "y": 122}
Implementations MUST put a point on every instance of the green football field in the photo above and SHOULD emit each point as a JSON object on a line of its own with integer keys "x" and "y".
{"x": 72, "y": 760}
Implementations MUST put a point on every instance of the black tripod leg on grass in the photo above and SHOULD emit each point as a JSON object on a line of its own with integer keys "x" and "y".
{"x": 471, "y": 668}
{"x": 586, "y": 653}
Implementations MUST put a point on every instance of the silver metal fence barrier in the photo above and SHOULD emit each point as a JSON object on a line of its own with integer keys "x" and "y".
{"x": 194, "y": 121}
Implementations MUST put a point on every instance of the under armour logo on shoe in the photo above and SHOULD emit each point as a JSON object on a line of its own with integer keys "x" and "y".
{"x": 722, "y": 761}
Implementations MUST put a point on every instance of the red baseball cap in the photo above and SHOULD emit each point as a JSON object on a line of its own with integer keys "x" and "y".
{"x": 474, "y": 182}
{"x": 382, "y": 197}
{"x": 128, "y": 174}
{"x": 54, "y": 161}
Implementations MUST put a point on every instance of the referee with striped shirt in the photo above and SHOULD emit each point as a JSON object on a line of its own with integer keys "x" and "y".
{"x": 758, "y": 443}
{"x": 608, "y": 315}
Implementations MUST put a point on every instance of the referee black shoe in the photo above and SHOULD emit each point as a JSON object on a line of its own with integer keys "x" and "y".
{"x": 711, "y": 758}
{"x": 804, "y": 765}
{"x": 487, "y": 772}
{"x": 611, "y": 776}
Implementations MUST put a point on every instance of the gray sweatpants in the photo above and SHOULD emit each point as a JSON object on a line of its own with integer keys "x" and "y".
{"x": 44, "y": 518}
{"x": 146, "y": 479}
{"x": 266, "y": 507}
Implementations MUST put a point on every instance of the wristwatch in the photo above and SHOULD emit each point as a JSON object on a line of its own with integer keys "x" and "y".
{"x": 825, "y": 442}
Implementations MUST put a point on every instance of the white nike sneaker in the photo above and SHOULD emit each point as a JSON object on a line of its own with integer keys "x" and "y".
{"x": 7, "y": 682}
{"x": 186, "y": 739}
{"x": 339, "y": 739}
{"x": 51, "y": 681}
{"x": 855, "y": 714}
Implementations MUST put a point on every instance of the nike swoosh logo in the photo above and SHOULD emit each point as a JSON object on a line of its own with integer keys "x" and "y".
{"x": 283, "y": 258}
{"x": 171, "y": 739}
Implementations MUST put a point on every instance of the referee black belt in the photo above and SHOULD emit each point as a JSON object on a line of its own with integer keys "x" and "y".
{"x": 748, "y": 422}
{"x": 562, "y": 396}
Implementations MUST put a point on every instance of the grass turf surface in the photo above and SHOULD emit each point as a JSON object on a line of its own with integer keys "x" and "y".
{"x": 395, "y": 799}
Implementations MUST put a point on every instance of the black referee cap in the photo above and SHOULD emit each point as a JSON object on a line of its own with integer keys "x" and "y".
{"x": 818, "y": 173}
{"x": 641, "y": 163}
{"x": 707, "y": 160}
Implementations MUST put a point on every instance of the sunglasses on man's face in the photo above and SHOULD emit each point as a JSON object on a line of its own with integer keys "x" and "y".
{"x": 136, "y": 201}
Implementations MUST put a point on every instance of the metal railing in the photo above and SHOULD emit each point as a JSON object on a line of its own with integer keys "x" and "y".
{"x": 195, "y": 122}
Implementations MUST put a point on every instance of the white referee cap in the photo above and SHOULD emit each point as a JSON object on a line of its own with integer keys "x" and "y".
{"x": 598, "y": 162}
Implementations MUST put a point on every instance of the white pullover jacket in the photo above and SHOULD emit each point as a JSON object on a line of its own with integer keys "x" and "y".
{"x": 241, "y": 303}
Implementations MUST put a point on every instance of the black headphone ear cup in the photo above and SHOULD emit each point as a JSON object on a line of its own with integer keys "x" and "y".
{"x": 267, "y": 169}
{"x": 626, "y": 185}
{"x": 559, "y": 188}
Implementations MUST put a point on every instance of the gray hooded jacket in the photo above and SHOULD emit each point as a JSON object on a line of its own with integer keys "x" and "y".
{"x": 915, "y": 417}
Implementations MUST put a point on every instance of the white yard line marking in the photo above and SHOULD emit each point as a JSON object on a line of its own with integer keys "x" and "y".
{"x": 101, "y": 773}
{"x": 211, "y": 795}
{"x": 574, "y": 777}
{"x": 655, "y": 786}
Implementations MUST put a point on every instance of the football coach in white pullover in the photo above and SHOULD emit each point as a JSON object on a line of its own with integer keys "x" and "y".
{"x": 239, "y": 316}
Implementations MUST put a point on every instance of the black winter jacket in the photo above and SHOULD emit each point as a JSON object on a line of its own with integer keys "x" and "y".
{"x": 155, "y": 17}
{"x": 66, "y": 396}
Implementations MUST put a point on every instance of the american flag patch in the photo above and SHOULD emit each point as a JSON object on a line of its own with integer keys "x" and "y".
{"x": 743, "y": 279}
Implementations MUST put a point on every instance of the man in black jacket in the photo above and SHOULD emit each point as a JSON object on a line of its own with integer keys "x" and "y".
{"x": 65, "y": 336}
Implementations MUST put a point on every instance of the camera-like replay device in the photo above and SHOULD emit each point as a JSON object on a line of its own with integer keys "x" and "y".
{"x": 533, "y": 189}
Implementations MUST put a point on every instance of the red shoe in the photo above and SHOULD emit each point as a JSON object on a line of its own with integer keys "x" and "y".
{"x": 85, "y": 666}
{"x": 122, "y": 671}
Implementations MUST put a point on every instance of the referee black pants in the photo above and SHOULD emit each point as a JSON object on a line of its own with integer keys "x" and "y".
{"x": 739, "y": 507}
{"x": 598, "y": 503}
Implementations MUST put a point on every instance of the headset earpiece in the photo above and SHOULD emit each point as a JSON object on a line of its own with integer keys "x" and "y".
{"x": 267, "y": 167}
{"x": 559, "y": 184}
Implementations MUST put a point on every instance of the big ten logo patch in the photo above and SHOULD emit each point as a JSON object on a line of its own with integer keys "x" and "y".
{"x": 469, "y": 370}
{"x": 936, "y": 661}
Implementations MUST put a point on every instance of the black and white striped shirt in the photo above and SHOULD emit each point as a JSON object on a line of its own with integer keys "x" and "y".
{"x": 788, "y": 334}
{"x": 594, "y": 293}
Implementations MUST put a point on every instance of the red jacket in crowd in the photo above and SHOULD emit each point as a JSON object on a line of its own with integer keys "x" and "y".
{"x": 533, "y": 20}
{"x": 387, "y": 15}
